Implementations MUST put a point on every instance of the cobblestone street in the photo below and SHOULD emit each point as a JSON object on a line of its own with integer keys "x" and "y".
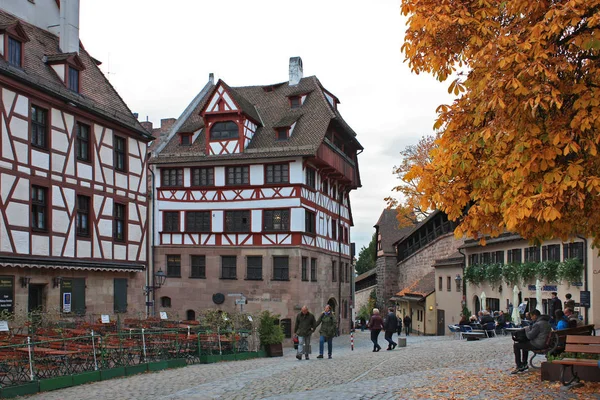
{"x": 429, "y": 367}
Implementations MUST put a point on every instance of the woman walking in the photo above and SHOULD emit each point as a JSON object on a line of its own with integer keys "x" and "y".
{"x": 375, "y": 325}
{"x": 328, "y": 330}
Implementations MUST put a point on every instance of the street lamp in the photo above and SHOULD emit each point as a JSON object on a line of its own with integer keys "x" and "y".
{"x": 159, "y": 279}
{"x": 458, "y": 279}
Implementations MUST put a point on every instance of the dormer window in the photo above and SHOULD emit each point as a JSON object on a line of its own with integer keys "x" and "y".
{"x": 283, "y": 133}
{"x": 185, "y": 139}
{"x": 73, "y": 79}
{"x": 295, "y": 102}
{"x": 15, "y": 52}
{"x": 224, "y": 131}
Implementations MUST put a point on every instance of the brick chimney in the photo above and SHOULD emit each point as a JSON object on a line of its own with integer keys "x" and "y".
{"x": 167, "y": 123}
{"x": 296, "y": 71}
{"x": 147, "y": 125}
{"x": 69, "y": 26}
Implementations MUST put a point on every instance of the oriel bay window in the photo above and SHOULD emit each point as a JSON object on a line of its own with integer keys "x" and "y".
{"x": 237, "y": 221}
{"x": 203, "y": 176}
{"x": 277, "y": 173}
{"x": 174, "y": 265}
{"x": 276, "y": 220}
{"x": 119, "y": 222}
{"x": 237, "y": 175}
{"x": 39, "y": 207}
{"x": 254, "y": 268}
{"x": 197, "y": 221}
{"x": 83, "y": 216}
{"x": 171, "y": 177}
{"x": 281, "y": 268}
{"x": 228, "y": 267}
{"x": 171, "y": 221}
{"x": 39, "y": 127}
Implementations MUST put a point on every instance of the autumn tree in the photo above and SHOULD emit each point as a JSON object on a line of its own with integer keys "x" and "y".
{"x": 408, "y": 207}
{"x": 367, "y": 257}
{"x": 518, "y": 148}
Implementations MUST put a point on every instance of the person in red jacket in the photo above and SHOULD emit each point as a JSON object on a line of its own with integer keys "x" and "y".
{"x": 375, "y": 325}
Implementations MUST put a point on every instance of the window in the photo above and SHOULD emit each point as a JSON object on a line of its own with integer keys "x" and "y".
{"x": 120, "y": 295}
{"x": 197, "y": 221}
{"x": 333, "y": 272}
{"x": 228, "y": 267}
{"x": 347, "y": 270}
{"x": 276, "y": 220}
{"x": 186, "y": 139}
{"x": 334, "y": 191}
{"x": 457, "y": 282}
{"x": 254, "y": 268}
{"x": 440, "y": 283}
{"x": 334, "y": 229}
{"x": 325, "y": 187}
{"x": 237, "y": 221}
{"x": 532, "y": 254}
{"x": 281, "y": 268}
{"x": 313, "y": 269}
{"x": 82, "y": 148}
{"x": 174, "y": 266}
{"x": 309, "y": 222}
{"x": 295, "y": 102}
{"x": 15, "y": 49}
{"x": 551, "y": 252}
{"x": 39, "y": 207}
{"x": 165, "y": 302}
{"x": 120, "y": 152}
{"x": 224, "y": 130}
{"x": 498, "y": 257}
{"x": 573, "y": 250}
{"x": 283, "y": 133}
{"x": 39, "y": 127}
{"x": 171, "y": 221}
{"x": 72, "y": 289}
{"x": 198, "y": 267}
{"x": 74, "y": 79}
{"x": 311, "y": 178}
{"x": 237, "y": 176}
{"x": 83, "y": 215}
{"x": 203, "y": 176}
{"x": 119, "y": 222}
{"x": 514, "y": 256}
{"x": 448, "y": 284}
{"x": 277, "y": 173}
{"x": 172, "y": 177}
{"x": 486, "y": 257}
{"x": 304, "y": 268}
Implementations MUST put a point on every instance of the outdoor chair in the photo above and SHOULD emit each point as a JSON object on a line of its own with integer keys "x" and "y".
{"x": 489, "y": 328}
{"x": 464, "y": 328}
{"x": 456, "y": 330}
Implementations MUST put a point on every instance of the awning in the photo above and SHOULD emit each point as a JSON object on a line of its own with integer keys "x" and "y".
{"x": 14, "y": 262}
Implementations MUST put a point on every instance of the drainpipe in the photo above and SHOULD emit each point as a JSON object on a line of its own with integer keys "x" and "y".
{"x": 464, "y": 287}
{"x": 150, "y": 278}
{"x": 340, "y": 269}
{"x": 585, "y": 273}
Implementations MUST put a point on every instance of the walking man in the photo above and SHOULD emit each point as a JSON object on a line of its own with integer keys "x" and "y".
{"x": 553, "y": 305}
{"x": 390, "y": 325}
{"x": 305, "y": 326}
{"x": 407, "y": 322}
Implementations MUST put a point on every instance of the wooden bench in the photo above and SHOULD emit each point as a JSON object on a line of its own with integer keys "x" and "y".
{"x": 589, "y": 345}
{"x": 556, "y": 342}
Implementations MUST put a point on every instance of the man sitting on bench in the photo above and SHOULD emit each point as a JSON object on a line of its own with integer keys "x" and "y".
{"x": 535, "y": 338}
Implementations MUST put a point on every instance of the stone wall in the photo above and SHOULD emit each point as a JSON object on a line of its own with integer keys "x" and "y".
{"x": 362, "y": 297}
{"x": 387, "y": 280}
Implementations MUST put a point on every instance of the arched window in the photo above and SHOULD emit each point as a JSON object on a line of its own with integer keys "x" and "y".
{"x": 190, "y": 315}
{"x": 224, "y": 130}
{"x": 165, "y": 302}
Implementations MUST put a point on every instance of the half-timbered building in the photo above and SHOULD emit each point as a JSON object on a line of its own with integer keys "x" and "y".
{"x": 251, "y": 198}
{"x": 73, "y": 192}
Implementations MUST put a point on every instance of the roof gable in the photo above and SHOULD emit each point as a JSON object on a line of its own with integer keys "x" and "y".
{"x": 224, "y": 99}
{"x": 15, "y": 29}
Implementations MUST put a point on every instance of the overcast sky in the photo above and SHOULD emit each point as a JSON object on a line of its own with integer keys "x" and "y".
{"x": 158, "y": 55}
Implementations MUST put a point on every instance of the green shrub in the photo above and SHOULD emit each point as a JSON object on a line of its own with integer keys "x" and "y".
{"x": 268, "y": 330}
{"x": 570, "y": 270}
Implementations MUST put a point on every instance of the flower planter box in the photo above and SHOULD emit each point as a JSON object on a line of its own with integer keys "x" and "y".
{"x": 136, "y": 369}
{"x": 158, "y": 365}
{"x": 86, "y": 377}
{"x": 274, "y": 350}
{"x": 209, "y": 358}
{"x": 261, "y": 353}
{"x": 228, "y": 357}
{"x": 21, "y": 390}
{"x": 56, "y": 383}
{"x": 551, "y": 373}
{"x": 112, "y": 373}
{"x": 176, "y": 363}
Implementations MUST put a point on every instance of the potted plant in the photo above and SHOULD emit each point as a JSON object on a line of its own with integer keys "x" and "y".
{"x": 271, "y": 334}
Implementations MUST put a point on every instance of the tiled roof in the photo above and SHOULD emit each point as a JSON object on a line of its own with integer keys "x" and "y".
{"x": 365, "y": 275}
{"x": 423, "y": 287}
{"x": 97, "y": 94}
{"x": 455, "y": 258}
{"x": 389, "y": 230}
{"x": 504, "y": 237}
{"x": 269, "y": 105}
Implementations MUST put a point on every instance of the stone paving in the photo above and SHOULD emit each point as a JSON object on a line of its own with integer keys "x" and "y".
{"x": 429, "y": 367}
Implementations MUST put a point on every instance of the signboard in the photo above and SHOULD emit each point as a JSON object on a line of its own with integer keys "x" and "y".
{"x": 234, "y": 295}
{"x": 105, "y": 319}
{"x": 67, "y": 302}
{"x": 584, "y": 298}
{"x": 241, "y": 301}
{"x": 163, "y": 315}
{"x": 7, "y": 286}
{"x": 3, "y": 326}
{"x": 545, "y": 288}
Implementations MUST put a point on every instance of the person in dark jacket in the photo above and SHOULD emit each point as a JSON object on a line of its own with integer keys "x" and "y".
{"x": 390, "y": 325}
{"x": 399, "y": 330}
{"x": 407, "y": 322}
{"x": 569, "y": 302}
{"x": 554, "y": 304}
{"x": 375, "y": 325}
{"x": 304, "y": 327}
{"x": 536, "y": 334}
{"x": 328, "y": 330}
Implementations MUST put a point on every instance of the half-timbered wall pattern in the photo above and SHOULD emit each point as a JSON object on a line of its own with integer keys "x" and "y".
{"x": 64, "y": 177}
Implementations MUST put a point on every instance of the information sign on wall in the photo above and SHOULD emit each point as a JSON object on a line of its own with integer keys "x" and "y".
{"x": 7, "y": 290}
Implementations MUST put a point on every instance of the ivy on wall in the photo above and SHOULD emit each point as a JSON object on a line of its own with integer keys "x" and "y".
{"x": 570, "y": 270}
